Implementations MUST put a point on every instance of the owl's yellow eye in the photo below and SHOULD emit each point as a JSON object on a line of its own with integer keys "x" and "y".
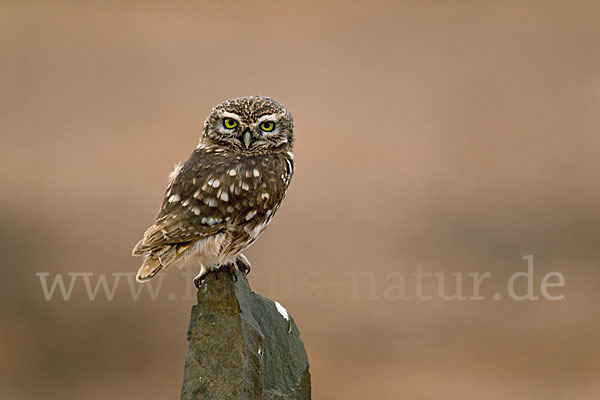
{"x": 230, "y": 123}
{"x": 267, "y": 126}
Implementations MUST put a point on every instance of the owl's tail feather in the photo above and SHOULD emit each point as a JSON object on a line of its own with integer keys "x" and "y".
{"x": 160, "y": 259}
{"x": 149, "y": 268}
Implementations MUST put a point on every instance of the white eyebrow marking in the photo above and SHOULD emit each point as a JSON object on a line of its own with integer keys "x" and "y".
{"x": 228, "y": 114}
{"x": 270, "y": 117}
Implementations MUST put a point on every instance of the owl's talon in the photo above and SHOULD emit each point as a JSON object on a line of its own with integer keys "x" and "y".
{"x": 243, "y": 264}
{"x": 232, "y": 270}
{"x": 198, "y": 281}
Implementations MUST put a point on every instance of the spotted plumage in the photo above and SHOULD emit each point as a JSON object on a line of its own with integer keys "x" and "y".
{"x": 219, "y": 201}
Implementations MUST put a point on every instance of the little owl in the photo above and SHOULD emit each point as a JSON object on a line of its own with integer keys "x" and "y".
{"x": 219, "y": 201}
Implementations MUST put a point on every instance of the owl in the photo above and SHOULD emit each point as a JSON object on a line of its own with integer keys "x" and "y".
{"x": 219, "y": 201}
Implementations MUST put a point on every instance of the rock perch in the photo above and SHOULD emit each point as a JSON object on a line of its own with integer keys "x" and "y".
{"x": 242, "y": 346}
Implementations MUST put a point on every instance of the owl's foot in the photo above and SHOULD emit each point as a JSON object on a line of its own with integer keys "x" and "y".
{"x": 242, "y": 263}
{"x": 200, "y": 278}
{"x": 232, "y": 268}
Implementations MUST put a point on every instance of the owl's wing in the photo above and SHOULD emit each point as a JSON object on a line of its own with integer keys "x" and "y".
{"x": 213, "y": 190}
{"x": 189, "y": 209}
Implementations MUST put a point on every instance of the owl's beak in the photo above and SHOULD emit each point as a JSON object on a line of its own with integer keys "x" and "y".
{"x": 247, "y": 138}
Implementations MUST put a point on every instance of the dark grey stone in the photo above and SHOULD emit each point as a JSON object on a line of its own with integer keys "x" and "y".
{"x": 241, "y": 347}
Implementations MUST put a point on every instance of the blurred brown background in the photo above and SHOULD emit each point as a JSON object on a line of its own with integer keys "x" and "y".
{"x": 456, "y": 135}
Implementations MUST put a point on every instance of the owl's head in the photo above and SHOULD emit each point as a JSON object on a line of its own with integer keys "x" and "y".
{"x": 252, "y": 124}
